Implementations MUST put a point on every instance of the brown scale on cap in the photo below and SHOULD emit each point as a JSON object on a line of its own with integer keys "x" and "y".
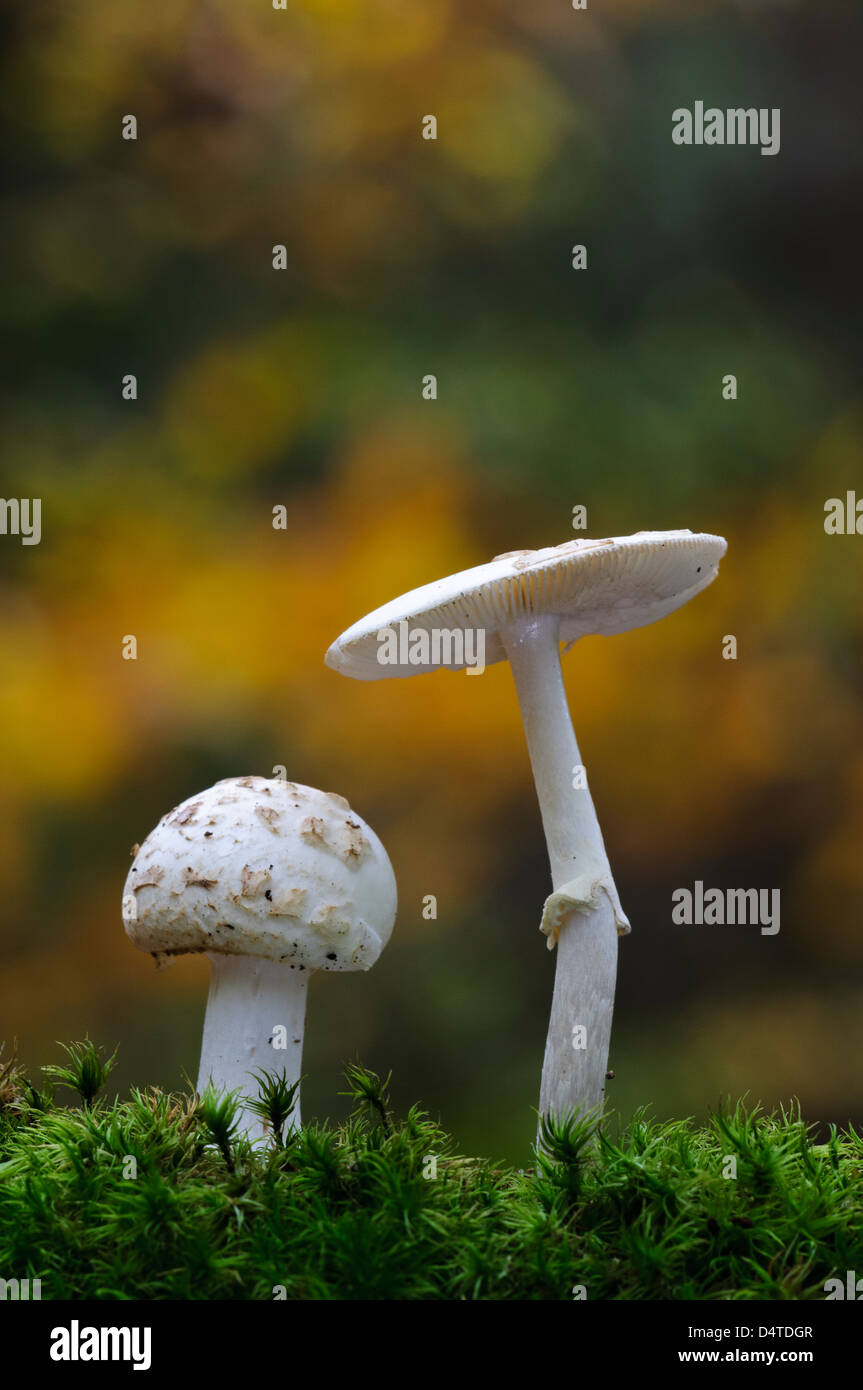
{"x": 150, "y": 878}
{"x": 253, "y": 881}
{"x": 270, "y": 816}
{"x": 346, "y": 840}
{"x": 193, "y": 878}
{"x": 523, "y": 559}
{"x": 331, "y": 920}
{"x": 312, "y": 829}
{"x": 290, "y": 904}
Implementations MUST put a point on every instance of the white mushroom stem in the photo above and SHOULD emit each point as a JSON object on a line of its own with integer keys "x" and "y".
{"x": 583, "y": 913}
{"x": 256, "y": 1012}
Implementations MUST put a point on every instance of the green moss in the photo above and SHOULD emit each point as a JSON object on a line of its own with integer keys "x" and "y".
{"x": 354, "y": 1212}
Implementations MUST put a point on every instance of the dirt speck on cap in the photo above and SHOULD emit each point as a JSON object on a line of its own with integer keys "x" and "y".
{"x": 184, "y": 815}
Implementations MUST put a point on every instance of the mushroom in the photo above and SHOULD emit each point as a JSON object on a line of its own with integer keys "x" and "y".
{"x": 271, "y": 881}
{"x": 521, "y": 606}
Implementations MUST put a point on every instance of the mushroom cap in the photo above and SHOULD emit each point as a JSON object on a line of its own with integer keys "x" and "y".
{"x": 260, "y": 867}
{"x": 595, "y": 586}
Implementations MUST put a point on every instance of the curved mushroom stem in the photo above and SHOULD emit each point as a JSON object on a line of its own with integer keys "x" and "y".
{"x": 250, "y": 998}
{"x": 584, "y": 912}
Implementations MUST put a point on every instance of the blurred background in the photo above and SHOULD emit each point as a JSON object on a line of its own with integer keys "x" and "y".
{"x": 302, "y": 388}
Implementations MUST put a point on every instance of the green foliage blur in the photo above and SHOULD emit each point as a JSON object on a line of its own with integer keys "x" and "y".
{"x": 302, "y": 388}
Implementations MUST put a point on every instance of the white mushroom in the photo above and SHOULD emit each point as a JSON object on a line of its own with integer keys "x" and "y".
{"x": 524, "y": 604}
{"x": 272, "y": 881}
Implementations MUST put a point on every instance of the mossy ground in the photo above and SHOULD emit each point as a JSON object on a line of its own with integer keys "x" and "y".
{"x": 353, "y": 1212}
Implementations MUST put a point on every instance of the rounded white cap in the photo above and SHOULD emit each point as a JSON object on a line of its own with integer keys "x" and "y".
{"x": 260, "y": 867}
{"x": 595, "y": 586}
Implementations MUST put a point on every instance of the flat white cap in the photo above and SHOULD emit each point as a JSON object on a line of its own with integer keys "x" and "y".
{"x": 261, "y": 867}
{"x": 595, "y": 586}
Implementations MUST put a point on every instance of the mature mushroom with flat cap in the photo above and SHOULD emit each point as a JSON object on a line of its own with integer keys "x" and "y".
{"x": 271, "y": 881}
{"x": 525, "y": 604}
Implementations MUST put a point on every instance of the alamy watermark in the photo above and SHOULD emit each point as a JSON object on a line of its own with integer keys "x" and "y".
{"x": 77, "y": 1343}
{"x": 20, "y": 1290}
{"x": 21, "y": 516}
{"x": 737, "y": 125}
{"x": 844, "y": 515}
{"x": 851, "y": 1288}
{"x": 403, "y": 645}
{"x": 721, "y": 907}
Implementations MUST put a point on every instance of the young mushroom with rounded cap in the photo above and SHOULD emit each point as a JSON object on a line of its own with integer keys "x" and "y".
{"x": 271, "y": 881}
{"x": 523, "y": 605}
